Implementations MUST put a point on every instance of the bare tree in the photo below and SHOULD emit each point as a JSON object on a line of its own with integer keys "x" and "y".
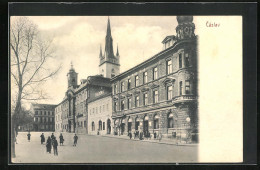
{"x": 30, "y": 59}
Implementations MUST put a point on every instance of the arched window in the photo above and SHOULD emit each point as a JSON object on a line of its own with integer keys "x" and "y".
{"x": 100, "y": 125}
{"x": 93, "y": 126}
{"x": 156, "y": 122}
{"x": 113, "y": 70}
{"x": 170, "y": 121}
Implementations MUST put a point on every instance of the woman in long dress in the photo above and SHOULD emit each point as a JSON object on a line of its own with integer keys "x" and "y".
{"x": 48, "y": 144}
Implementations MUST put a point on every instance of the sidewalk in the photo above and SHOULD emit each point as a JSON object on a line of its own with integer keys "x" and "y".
{"x": 163, "y": 141}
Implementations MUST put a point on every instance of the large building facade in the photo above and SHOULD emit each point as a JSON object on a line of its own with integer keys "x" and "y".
{"x": 160, "y": 94}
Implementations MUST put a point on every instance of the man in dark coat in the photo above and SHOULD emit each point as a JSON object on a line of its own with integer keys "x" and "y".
{"x": 42, "y": 138}
{"x": 48, "y": 145}
{"x": 55, "y": 146}
{"x": 75, "y": 140}
{"x": 52, "y": 138}
{"x": 154, "y": 135}
{"x": 29, "y": 136}
{"x": 61, "y": 139}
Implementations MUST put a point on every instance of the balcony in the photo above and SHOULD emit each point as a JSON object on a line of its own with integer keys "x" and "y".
{"x": 184, "y": 98}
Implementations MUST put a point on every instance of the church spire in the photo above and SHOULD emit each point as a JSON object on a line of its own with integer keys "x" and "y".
{"x": 108, "y": 27}
{"x": 109, "y": 52}
{"x": 117, "y": 53}
{"x": 100, "y": 54}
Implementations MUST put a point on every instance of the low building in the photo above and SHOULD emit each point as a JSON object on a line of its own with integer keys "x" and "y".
{"x": 43, "y": 115}
{"x": 99, "y": 114}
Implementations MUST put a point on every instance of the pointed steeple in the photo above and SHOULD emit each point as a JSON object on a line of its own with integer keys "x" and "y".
{"x": 100, "y": 54}
{"x": 109, "y": 52}
{"x": 108, "y": 27}
{"x": 117, "y": 53}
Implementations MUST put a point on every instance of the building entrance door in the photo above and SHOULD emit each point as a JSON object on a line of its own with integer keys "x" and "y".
{"x": 129, "y": 127}
{"x": 145, "y": 127}
{"x": 136, "y": 125}
{"x": 108, "y": 126}
{"x": 122, "y": 128}
{"x": 69, "y": 126}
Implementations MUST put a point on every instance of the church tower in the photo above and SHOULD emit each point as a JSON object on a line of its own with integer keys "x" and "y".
{"x": 109, "y": 63}
{"x": 72, "y": 77}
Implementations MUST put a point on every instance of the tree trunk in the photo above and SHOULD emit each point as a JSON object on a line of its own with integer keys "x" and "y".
{"x": 12, "y": 139}
{"x": 14, "y": 124}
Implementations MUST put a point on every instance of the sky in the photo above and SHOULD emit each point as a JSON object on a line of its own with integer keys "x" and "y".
{"x": 77, "y": 39}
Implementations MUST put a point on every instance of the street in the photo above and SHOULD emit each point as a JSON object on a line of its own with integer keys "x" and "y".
{"x": 99, "y": 149}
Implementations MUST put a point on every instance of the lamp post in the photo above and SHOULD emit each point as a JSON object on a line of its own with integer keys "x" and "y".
{"x": 187, "y": 132}
{"x": 177, "y": 131}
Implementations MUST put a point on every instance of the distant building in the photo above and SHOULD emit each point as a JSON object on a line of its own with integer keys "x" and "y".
{"x": 160, "y": 94}
{"x": 43, "y": 117}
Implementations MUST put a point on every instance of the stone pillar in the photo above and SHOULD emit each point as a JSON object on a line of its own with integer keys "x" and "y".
{"x": 163, "y": 122}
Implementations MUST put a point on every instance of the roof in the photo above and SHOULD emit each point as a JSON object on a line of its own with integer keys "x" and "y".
{"x": 100, "y": 97}
{"x": 99, "y": 80}
{"x": 168, "y": 37}
{"x": 43, "y": 106}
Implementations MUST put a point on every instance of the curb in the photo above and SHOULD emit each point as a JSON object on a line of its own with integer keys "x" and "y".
{"x": 149, "y": 141}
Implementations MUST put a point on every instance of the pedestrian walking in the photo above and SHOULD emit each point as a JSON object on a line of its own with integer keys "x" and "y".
{"x": 61, "y": 139}
{"x": 130, "y": 135}
{"x": 42, "y": 138}
{"x": 75, "y": 140}
{"x": 52, "y": 138}
{"x": 48, "y": 145}
{"x": 29, "y": 136}
{"x": 55, "y": 146}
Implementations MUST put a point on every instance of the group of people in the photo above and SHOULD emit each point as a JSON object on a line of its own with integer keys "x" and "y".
{"x": 141, "y": 135}
{"x": 52, "y": 142}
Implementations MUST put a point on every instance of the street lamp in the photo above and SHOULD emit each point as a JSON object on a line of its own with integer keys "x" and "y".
{"x": 187, "y": 132}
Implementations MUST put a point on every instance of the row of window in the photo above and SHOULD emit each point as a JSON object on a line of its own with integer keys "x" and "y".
{"x": 137, "y": 101}
{"x": 47, "y": 127}
{"x": 58, "y": 117}
{"x": 155, "y": 74}
{"x": 58, "y": 126}
{"x": 43, "y": 119}
{"x": 81, "y": 124}
{"x": 44, "y": 113}
{"x": 99, "y": 109}
{"x": 100, "y": 127}
{"x": 155, "y": 96}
